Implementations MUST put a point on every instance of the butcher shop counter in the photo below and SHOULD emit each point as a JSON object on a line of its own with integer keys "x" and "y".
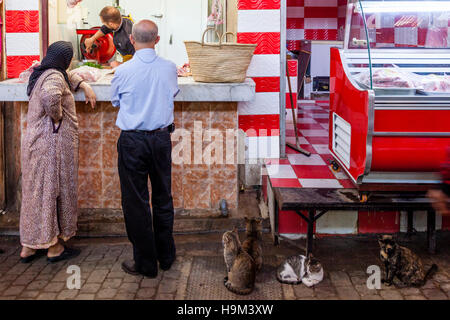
{"x": 205, "y": 152}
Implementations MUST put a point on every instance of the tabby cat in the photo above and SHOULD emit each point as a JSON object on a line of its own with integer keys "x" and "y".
{"x": 240, "y": 265}
{"x": 402, "y": 263}
{"x": 300, "y": 269}
{"x": 252, "y": 245}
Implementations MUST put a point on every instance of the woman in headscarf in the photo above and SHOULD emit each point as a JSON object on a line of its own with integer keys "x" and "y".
{"x": 50, "y": 157}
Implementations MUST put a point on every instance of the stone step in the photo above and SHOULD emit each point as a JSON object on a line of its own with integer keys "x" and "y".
{"x": 181, "y": 226}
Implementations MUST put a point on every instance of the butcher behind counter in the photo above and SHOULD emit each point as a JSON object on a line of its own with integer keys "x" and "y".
{"x": 121, "y": 27}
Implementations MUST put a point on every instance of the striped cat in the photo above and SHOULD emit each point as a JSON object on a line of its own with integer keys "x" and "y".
{"x": 300, "y": 269}
{"x": 241, "y": 270}
{"x": 252, "y": 245}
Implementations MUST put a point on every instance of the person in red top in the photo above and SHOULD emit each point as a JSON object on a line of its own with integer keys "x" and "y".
{"x": 441, "y": 198}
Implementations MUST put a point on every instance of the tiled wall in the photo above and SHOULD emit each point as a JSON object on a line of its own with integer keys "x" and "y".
{"x": 202, "y": 186}
{"x": 22, "y": 35}
{"x": 314, "y": 20}
{"x": 406, "y": 30}
{"x": 259, "y": 23}
{"x": 197, "y": 188}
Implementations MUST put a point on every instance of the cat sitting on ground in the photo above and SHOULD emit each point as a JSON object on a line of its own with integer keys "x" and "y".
{"x": 240, "y": 265}
{"x": 300, "y": 269}
{"x": 402, "y": 263}
{"x": 252, "y": 245}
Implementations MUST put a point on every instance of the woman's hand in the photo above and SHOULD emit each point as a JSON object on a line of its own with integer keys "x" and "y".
{"x": 89, "y": 93}
{"x": 115, "y": 64}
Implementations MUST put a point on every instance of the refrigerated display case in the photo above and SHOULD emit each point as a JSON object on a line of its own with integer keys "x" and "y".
{"x": 390, "y": 92}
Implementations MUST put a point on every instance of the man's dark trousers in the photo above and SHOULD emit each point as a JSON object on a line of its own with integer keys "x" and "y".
{"x": 143, "y": 155}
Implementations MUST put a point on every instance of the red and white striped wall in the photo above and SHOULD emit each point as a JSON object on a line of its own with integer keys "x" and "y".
{"x": 259, "y": 22}
{"x": 22, "y": 40}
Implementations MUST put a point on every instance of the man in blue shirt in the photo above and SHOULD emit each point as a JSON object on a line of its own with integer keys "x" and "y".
{"x": 144, "y": 89}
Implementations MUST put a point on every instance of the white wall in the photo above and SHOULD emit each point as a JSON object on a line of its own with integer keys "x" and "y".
{"x": 320, "y": 57}
{"x": 182, "y": 19}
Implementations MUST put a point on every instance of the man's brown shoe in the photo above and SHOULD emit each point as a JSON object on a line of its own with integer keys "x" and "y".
{"x": 129, "y": 267}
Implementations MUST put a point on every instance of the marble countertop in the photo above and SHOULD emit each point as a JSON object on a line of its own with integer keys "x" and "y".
{"x": 12, "y": 90}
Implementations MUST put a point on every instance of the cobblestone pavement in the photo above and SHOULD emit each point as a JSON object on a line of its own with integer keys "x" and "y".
{"x": 345, "y": 261}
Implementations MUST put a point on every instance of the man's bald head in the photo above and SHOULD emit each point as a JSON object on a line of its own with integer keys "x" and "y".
{"x": 145, "y": 32}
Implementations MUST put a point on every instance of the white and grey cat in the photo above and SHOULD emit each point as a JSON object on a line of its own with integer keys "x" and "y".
{"x": 300, "y": 269}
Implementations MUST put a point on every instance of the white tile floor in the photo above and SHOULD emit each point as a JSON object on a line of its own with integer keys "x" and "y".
{"x": 315, "y": 133}
{"x": 302, "y": 160}
{"x": 321, "y": 148}
{"x": 281, "y": 171}
{"x": 306, "y": 120}
{"x": 320, "y": 115}
{"x": 301, "y": 140}
{"x": 320, "y": 183}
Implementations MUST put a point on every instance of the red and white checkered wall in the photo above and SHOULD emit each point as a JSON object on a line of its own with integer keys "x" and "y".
{"x": 427, "y": 29}
{"x": 314, "y": 20}
{"x": 22, "y": 39}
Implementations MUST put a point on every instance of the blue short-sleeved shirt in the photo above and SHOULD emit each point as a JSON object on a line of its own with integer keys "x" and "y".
{"x": 144, "y": 88}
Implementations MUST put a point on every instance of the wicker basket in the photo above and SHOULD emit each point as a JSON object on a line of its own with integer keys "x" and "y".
{"x": 219, "y": 62}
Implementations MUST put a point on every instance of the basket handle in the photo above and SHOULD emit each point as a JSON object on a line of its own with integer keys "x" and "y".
{"x": 204, "y": 33}
{"x": 224, "y": 37}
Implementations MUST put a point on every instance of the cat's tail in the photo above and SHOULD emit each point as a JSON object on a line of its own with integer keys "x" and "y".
{"x": 242, "y": 292}
{"x": 430, "y": 272}
{"x": 286, "y": 281}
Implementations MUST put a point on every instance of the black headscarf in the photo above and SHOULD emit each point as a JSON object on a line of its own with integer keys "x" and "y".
{"x": 59, "y": 55}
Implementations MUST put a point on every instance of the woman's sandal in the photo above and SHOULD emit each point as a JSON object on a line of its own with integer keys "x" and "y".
{"x": 67, "y": 254}
{"x": 37, "y": 254}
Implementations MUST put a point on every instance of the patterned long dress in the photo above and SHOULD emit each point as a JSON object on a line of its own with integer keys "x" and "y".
{"x": 50, "y": 163}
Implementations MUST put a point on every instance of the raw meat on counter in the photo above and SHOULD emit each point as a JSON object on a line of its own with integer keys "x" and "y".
{"x": 90, "y": 74}
{"x": 434, "y": 83}
{"x": 397, "y": 78}
{"x": 25, "y": 75}
{"x": 390, "y": 78}
{"x": 185, "y": 70}
{"x": 73, "y": 3}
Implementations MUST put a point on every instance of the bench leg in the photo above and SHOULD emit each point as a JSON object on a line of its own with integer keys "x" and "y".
{"x": 276, "y": 240}
{"x": 431, "y": 231}
{"x": 410, "y": 223}
{"x": 275, "y": 232}
{"x": 310, "y": 235}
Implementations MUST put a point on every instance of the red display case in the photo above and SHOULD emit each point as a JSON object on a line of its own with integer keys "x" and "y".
{"x": 390, "y": 100}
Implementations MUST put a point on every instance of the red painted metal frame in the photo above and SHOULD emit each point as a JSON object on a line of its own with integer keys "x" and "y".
{"x": 412, "y": 120}
{"x": 409, "y": 154}
{"x": 351, "y": 104}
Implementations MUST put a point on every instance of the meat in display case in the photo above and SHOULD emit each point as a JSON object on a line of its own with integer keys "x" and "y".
{"x": 390, "y": 92}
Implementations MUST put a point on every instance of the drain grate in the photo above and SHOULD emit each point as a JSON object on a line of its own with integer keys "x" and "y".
{"x": 206, "y": 281}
